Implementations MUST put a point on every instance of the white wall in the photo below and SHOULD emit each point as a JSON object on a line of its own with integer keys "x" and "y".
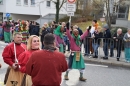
{"x": 3, "y": 6}
{"x": 24, "y": 17}
{"x": 11, "y": 7}
{"x": 48, "y": 18}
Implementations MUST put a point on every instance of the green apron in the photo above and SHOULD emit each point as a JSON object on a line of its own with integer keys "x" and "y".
{"x": 61, "y": 48}
{"x": 78, "y": 64}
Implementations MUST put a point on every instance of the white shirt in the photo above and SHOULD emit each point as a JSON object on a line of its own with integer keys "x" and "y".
{"x": 92, "y": 30}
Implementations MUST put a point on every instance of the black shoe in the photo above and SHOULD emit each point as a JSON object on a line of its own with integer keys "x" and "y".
{"x": 111, "y": 55}
{"x": 95, "y": 57}
{"x": 118, "y": 59}
{"x": 105, "y": 58}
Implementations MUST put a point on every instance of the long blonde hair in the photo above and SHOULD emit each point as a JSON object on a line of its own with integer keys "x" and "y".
{"x": 99, "y": 28}
{"x": 29, "y": 47}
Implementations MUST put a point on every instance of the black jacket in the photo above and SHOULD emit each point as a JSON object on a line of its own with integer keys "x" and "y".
{"x": 107, "y": 36}
{"x": 119, "y": 39}
{"x": 97, "y": 36}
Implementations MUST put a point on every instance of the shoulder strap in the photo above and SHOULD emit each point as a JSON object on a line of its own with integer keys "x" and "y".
{"x": 16, "y": 61}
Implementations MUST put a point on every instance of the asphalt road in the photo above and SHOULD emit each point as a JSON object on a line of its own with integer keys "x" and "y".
{"x": 97, "y": 75}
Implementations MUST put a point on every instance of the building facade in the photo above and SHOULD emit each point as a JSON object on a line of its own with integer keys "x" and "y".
{"x": 120, "y": 12}
{"x": 28, "y": 9}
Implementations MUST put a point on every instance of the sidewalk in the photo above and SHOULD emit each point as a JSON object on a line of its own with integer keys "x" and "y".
{"x": 111, "y": 60}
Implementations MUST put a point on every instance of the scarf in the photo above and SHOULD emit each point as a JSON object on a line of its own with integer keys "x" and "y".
{"x": 77, "y": 39}
{"x": 58, "y": 32}
{"x": 49, "y": 48}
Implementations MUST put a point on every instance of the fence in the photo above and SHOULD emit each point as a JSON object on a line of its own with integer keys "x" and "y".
{"x": 104, "y": 47}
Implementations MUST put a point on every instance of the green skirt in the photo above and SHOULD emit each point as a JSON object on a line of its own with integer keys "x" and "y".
{"x": 7, "y": 37}
{"x": 78, "y": 64}
{"x": 61, "y": 48}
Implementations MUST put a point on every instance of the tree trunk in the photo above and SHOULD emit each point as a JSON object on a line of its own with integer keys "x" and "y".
{"x": 77, "y": 5}
{"x": 109, "y": 15}
{"x": 57, "y": 11}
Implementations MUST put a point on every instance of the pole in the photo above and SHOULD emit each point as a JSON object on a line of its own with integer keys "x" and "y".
{"x": 40, "y": 13}
{"x": 70, "y": 22}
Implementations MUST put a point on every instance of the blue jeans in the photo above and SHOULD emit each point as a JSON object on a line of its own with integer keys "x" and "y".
{"x": 66, "y": 40}
{"x": 105, "y": 49}
{"x": 95, "y": 47}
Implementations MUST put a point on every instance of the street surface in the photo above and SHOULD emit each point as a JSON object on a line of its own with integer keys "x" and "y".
{"x": 97, "y": 75}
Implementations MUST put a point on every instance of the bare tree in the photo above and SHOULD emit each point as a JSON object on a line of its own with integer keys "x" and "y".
{"x": 58, "y": 5}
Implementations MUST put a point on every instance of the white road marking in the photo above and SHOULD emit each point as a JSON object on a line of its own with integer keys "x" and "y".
{"x": 96, "y": 65}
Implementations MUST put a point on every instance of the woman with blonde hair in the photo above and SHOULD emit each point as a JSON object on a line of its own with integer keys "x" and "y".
{"x": 33, "y": 45}
{"x": 96, "y": 41}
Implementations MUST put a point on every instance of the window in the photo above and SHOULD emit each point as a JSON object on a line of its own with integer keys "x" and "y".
{"x": 1, "y": 1}
{"x": 123, "y": 12}
{"x": 25, "y": 2}
{"x": 48, "y": 3}
{"x": 32, "y": 2}
{"x": 18, "y": 2}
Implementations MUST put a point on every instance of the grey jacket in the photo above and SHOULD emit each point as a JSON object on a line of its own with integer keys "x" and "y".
{"x": 127, "y": 41}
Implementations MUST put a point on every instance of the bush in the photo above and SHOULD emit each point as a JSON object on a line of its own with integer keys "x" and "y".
{"x": 114, "y": 30}
{"x": 65, "y": 19}
{"x": 84, "y": 20}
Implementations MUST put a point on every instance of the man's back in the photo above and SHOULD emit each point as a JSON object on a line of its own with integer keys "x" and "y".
{"x": 46, "y": 67}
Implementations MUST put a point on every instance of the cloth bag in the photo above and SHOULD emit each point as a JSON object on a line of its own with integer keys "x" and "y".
{"x": 27, "y": 80}
{"x": 7, "y": 74}
{"x": 14, "y": 78}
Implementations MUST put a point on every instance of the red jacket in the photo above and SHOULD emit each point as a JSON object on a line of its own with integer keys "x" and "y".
{"x": 23, "y": 59}
{"x": 45, "y": 68}
{"x": 9, "y": 55}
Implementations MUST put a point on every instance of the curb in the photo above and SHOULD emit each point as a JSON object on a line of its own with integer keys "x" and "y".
{"x": 105, "y": 62}
{"x": 110, "y": 61}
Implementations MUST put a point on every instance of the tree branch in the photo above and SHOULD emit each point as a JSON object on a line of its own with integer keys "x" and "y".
{"x": 64, "y": 1}
{"x": 53, "y": 1}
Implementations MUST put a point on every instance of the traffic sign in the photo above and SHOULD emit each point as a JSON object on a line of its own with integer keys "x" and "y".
{"x": 7, "y": 14}
{"x": 71, "y": 7}
{"x": 71, "y": 1}
{"x": 70, "y": 13}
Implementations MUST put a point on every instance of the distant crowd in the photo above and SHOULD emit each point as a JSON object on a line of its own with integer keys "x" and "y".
{"x": 91, "y": 42}
{"x": 36, "y": 55}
